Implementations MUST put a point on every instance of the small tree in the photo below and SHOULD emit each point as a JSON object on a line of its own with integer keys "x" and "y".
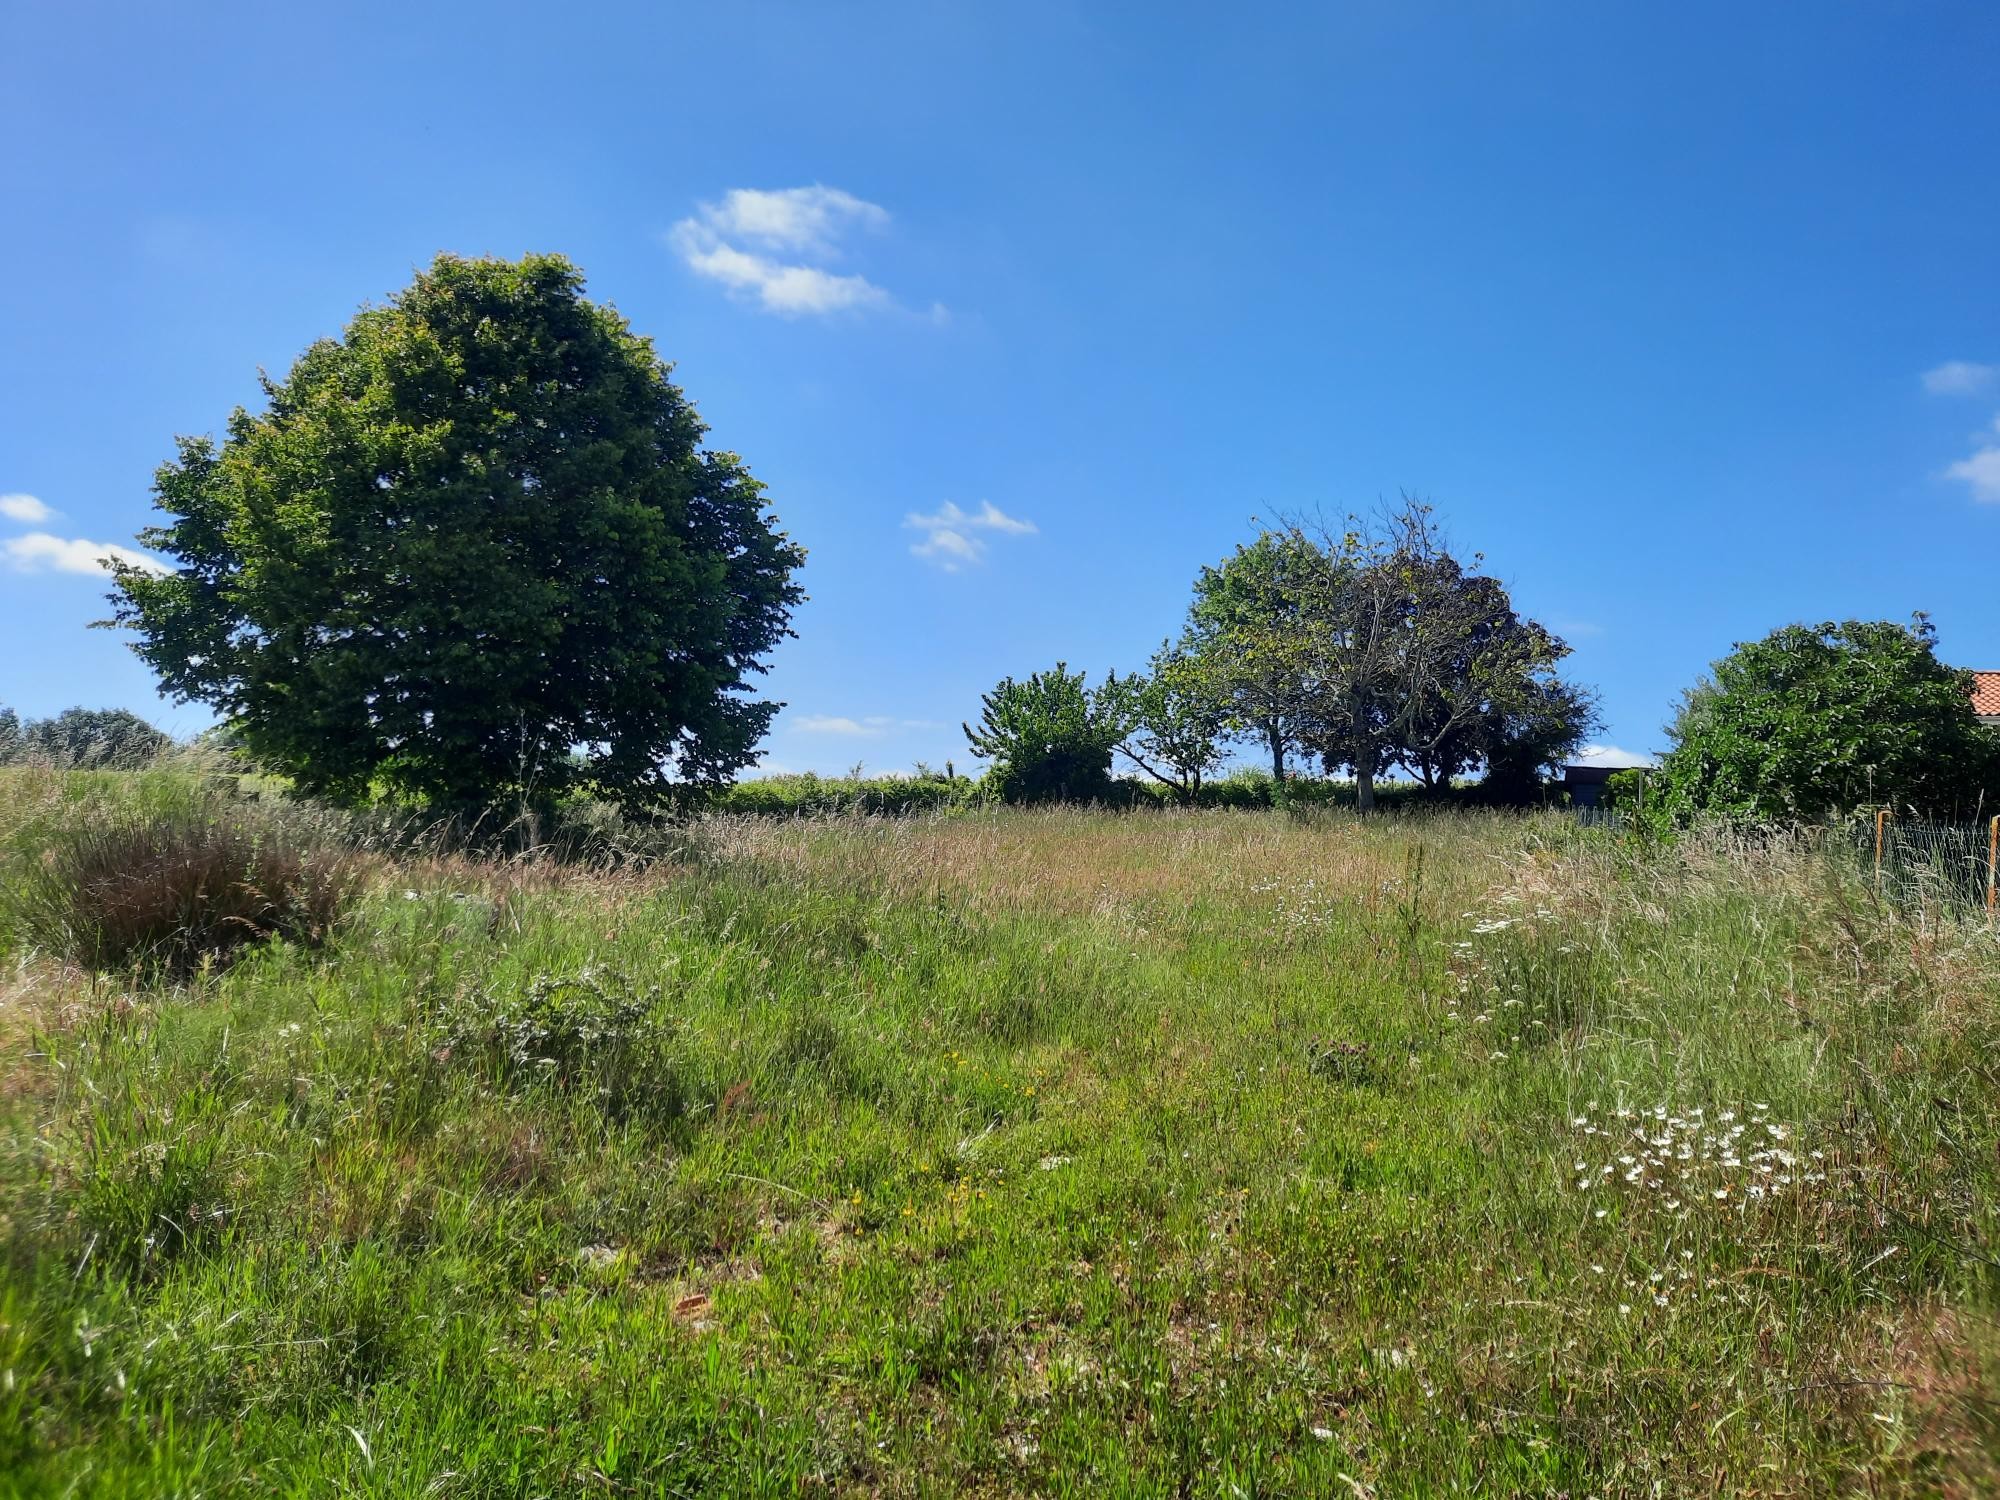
{"x": 1815, "y": 720}
{"x": 10, "y": 736}
{"x": 471, "y": 550}
{"x": 1178, "y": 714}
{"x": 1050, "y": 738}
{"x": 1243, "y": 628}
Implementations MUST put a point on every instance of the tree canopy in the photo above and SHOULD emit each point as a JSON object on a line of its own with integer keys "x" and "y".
{"x": 1176, "y": 716}
{"x": 1815, "y": 720}
{"x": 1241, "y": 627}
{"x": 1373, "y": 647}
{"x": 471, "y": 548}
{"x": 1051, "y": 737}
{"x": 84, "y": 739}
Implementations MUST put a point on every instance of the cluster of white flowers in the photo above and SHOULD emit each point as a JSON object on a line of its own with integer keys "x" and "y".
{"x": 1301, "y": 906}
{"x": 1693, "y": 1157}
{"x": 1477, "y": 991}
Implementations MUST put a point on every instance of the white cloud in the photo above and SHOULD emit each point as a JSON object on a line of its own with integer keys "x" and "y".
{"x": 1609, "y": 755}
{"x": 39, "y": 552}
{"x": 1981, "y": 471}
{"x": 806, "y": 222}
{"x": 803, "y": 218}
{"x": 25, "y": 508}
{"x": 949, "y": 536}
{"x": 790, "y": 290}
{"x": 1958, "y": 377}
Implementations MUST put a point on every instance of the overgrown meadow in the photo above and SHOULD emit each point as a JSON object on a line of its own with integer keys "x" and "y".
{"x": 1006, "y": 1152}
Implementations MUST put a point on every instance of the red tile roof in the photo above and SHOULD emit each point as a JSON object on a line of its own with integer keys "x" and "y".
{"x": 1986, "y": 693}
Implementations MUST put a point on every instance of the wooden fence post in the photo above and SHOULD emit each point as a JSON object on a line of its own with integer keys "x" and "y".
{"x": 1992, "y": 868}
{"x": 1881, "y": 821}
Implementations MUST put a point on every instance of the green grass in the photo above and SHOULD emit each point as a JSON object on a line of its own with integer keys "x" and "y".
{"x": 1018, "y": 1153}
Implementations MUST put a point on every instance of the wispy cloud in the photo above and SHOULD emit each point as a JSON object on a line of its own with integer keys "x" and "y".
{"x": 951, "y": 536}
{"x": 1579, "y": 630}
{"x": 41, "y": 552}
{"x": 790, "y": 234}
{"x": 865, "y": 728}
{"x": 1981, "y": 470}
{"x": 1959, "y": 377}
{"x": 832, "y": 724}
{"x": 26, "y": 509}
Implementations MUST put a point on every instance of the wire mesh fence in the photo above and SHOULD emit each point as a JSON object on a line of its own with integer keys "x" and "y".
{"x": 1914, "y": 863}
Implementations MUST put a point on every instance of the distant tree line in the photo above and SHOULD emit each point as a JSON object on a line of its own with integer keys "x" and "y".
{"x": 87, "y": 739}
{"x": 1369, "y": 649}
{"x": 473, "y": 552}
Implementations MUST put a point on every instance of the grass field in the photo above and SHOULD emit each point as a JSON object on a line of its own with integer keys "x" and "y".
{"x": 1069, "y": 1153}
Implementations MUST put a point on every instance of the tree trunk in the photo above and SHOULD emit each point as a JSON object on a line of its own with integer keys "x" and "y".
{"x": 1364, "y": 777}
{"x": 1277, "y": 740}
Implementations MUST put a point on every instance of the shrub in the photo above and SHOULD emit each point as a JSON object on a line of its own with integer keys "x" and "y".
{"x": 1817, "y": 720}
{"x": 810, "y": 795}
{"x": 173, "y": 888}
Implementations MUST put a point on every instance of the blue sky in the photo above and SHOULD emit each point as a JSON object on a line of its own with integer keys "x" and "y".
{"x": 1686, "y": 316}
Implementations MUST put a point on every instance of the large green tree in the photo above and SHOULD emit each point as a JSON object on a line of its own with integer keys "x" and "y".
{"x": 1814, "y": 720}
{"x": 471, "y": 549}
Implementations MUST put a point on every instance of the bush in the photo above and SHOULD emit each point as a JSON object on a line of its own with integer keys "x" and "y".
{"x": 174, "y": 888}
{"x": 1818, "y": 720}
{"x": 810, "y": 795}
{"x": 1253, "y": 787}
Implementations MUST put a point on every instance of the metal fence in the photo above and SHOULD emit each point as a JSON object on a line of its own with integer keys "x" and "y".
{"x": 1910, "y": 862}
{"x": 1914, "y": 863}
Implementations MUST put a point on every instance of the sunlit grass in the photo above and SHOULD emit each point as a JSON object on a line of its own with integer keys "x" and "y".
{"x": 1049, "y": 1152}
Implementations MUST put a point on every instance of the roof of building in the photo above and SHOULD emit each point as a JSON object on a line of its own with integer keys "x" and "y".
{"x": 1986, "y": 693}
